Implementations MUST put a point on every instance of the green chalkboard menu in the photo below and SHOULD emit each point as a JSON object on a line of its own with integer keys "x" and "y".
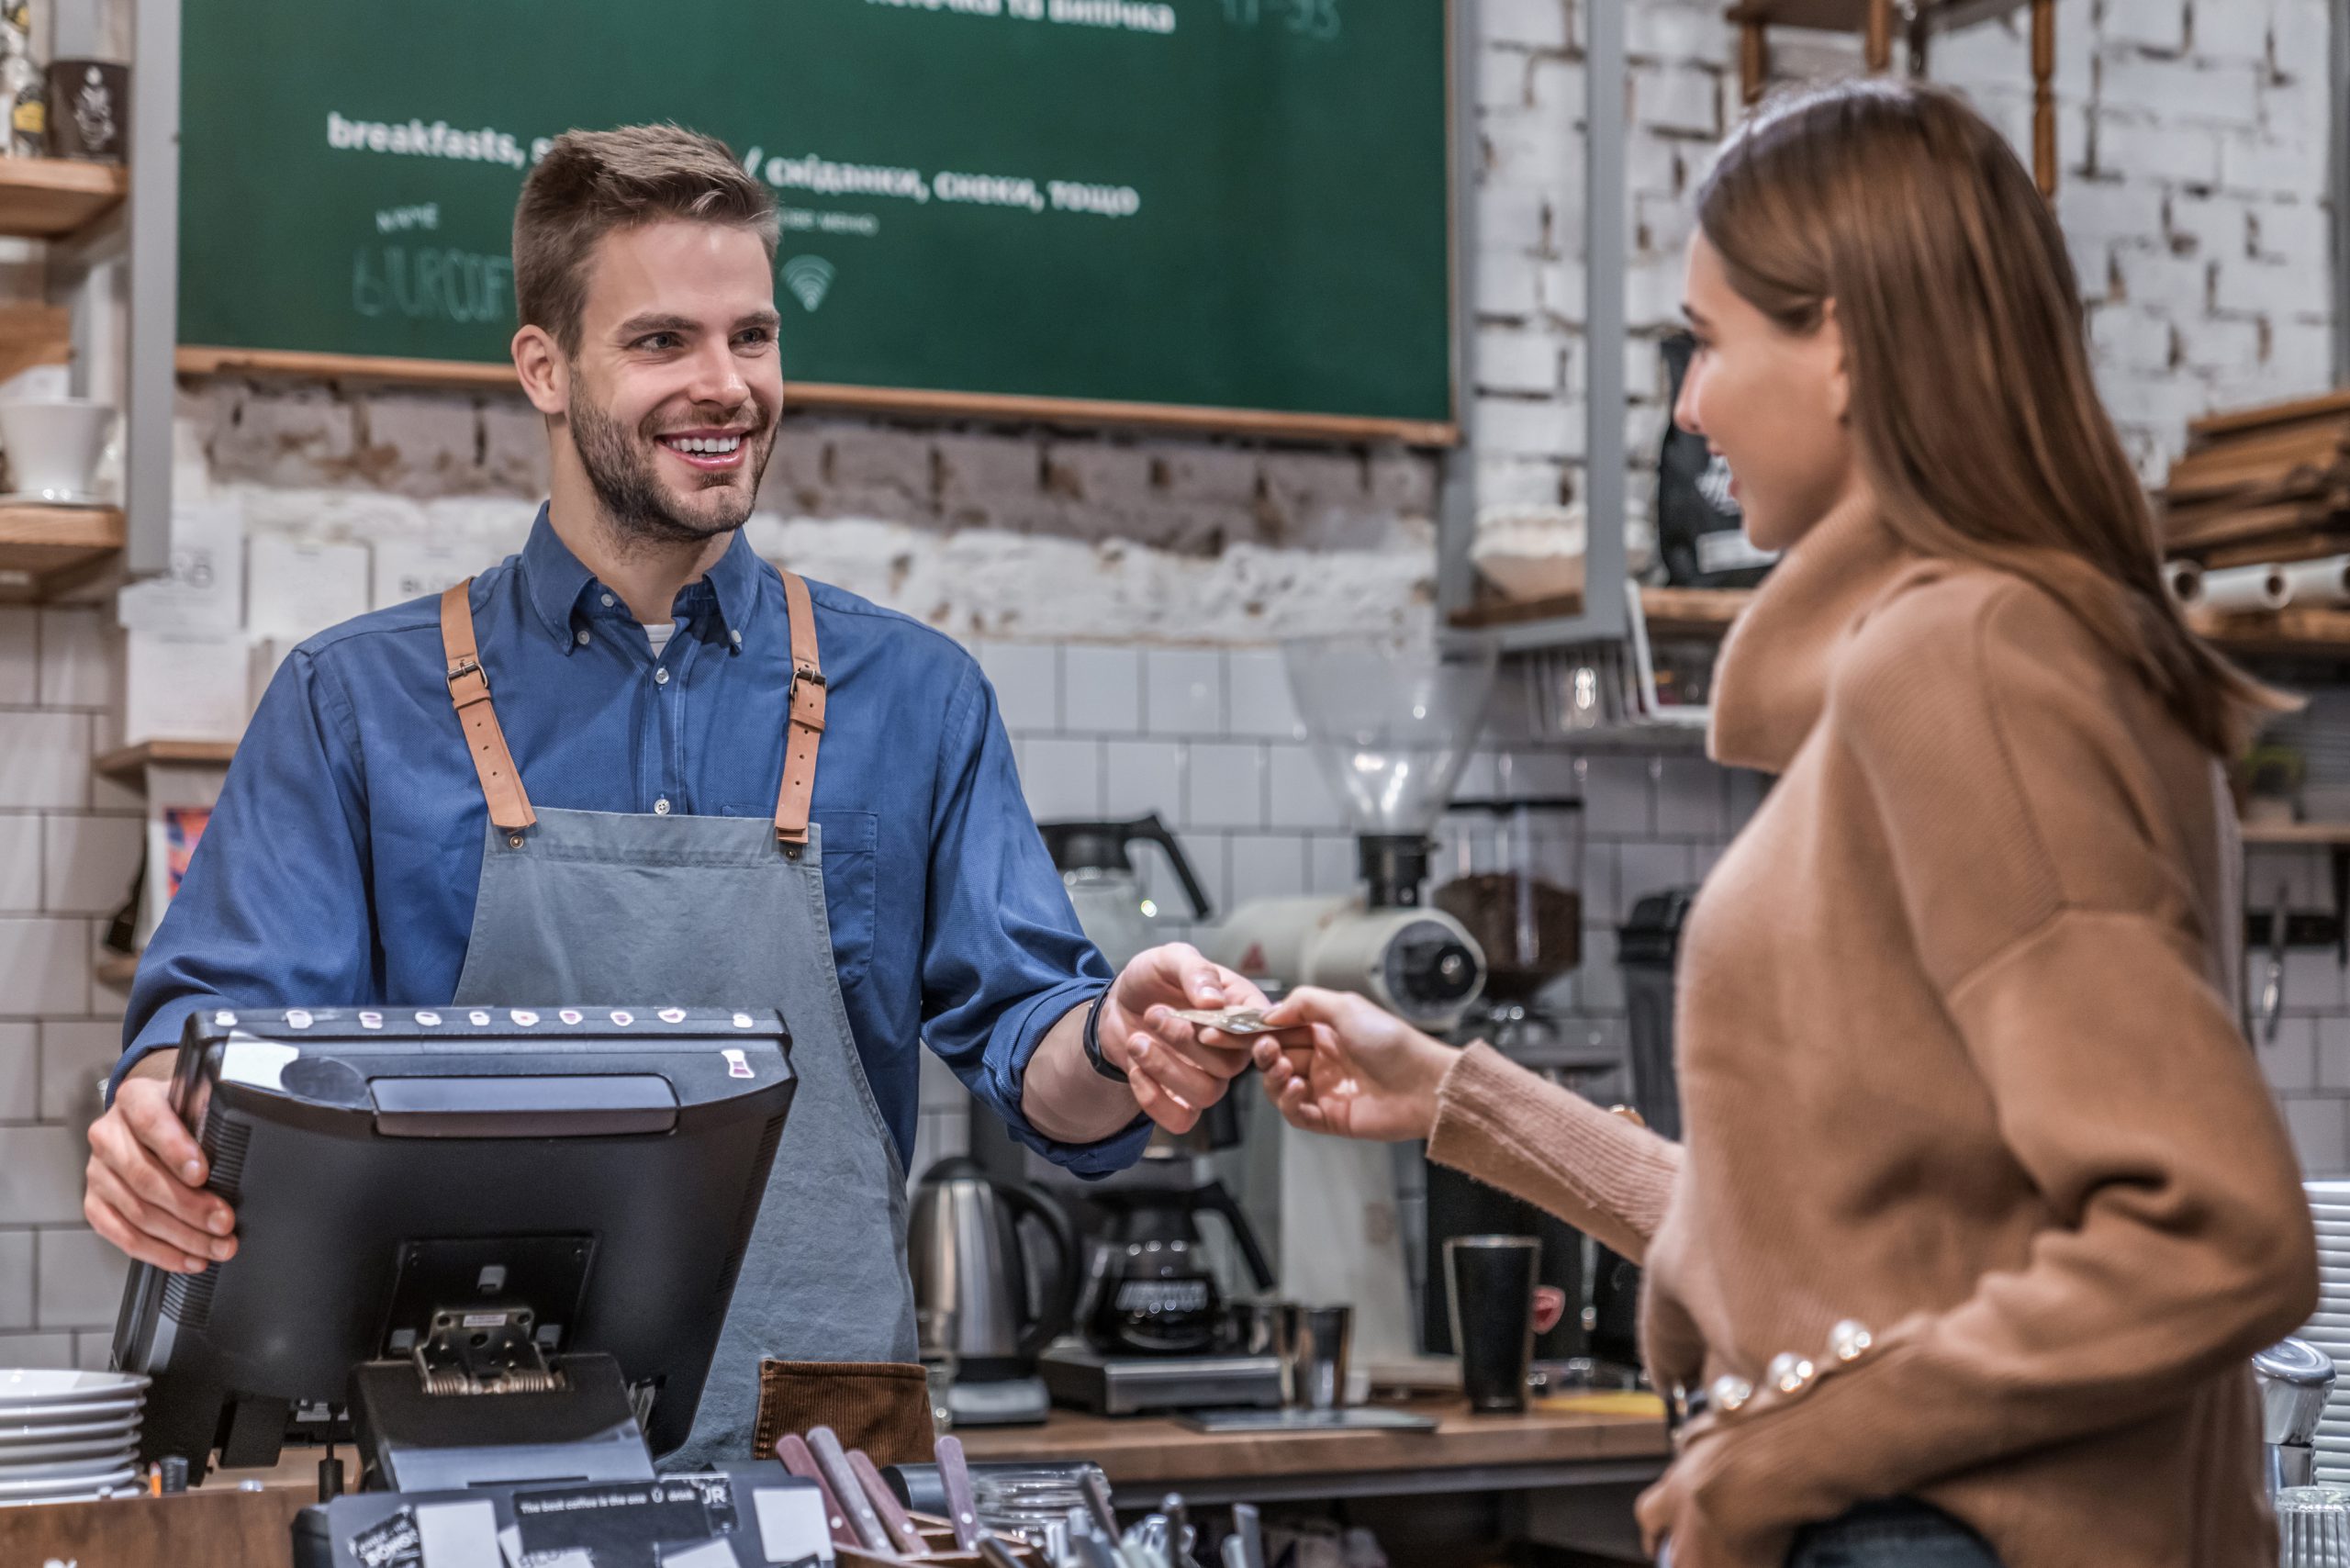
{"x": 1217, "y": 212}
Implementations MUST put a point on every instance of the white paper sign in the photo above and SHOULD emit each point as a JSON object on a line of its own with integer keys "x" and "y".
{"x": 412, "y": 568}
{"x": 791, "y": 1524}
{"x": 458, "y": 1535}
{"x": 203, "y": 590}
{"x": 295, "y": 587}
{"x": 184, "y": 686}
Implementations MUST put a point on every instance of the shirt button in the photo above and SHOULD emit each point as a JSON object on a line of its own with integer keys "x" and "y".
{"x": 580, "y": 636}
{"x": 661, "y": 675}
{"x": 608, "y": 601}
{"x": 661, "y": 807}
{"x": 735, "y": 637}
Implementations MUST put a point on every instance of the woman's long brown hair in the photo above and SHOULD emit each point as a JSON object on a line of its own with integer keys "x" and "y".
{"x": 1974, "y": 411}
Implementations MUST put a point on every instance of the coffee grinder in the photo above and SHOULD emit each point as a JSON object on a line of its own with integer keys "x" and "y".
{"x": 1391, "y": 720}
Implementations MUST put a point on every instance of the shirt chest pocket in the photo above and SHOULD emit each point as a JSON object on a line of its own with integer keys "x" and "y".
{"x": 850, "y": 881}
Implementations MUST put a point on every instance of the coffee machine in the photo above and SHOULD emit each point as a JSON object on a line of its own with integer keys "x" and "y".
{"x": 1097, "y": 868}
{"x": 1163, "y": 1322}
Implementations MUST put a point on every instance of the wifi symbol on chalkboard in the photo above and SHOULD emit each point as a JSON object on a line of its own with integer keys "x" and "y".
{"x": 810, "y": 278}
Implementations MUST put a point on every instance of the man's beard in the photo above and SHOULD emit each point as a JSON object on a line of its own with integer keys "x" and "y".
{"x": 622, "y": 473}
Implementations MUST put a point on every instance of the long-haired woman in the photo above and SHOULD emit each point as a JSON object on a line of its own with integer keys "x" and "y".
{"x": 1983, "y": 1202}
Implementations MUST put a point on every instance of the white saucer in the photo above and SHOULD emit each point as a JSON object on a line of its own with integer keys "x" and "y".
{"x": 80, "y": 499}
{"x": 89, "y": 1471}
{"x": 78, "y": 1485}
{"x": 121, "y": 1442}
{"x": 108, "y": 1411}
{"x": 24, "y": 1388}
{"x": 121, "y": 1428}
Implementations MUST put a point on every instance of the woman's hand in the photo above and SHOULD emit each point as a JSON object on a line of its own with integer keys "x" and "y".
{"x": 1680, "y": 1517}
{"x": 1366, "y": 1074}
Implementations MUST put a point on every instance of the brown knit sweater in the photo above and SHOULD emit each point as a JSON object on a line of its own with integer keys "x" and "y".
{"x": 1957, "y": 1063}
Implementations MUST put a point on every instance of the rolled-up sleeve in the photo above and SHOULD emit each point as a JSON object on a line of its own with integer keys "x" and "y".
{"x": 1003, "y": 958}
{"x": 274, "y": 910}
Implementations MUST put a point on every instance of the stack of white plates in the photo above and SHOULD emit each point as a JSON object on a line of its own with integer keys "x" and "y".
{"x": 67, "y": 1436}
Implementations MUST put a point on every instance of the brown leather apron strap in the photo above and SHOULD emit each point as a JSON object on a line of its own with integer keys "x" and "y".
{"x": 807, "y": 728}
{"x": 501, "y": 784}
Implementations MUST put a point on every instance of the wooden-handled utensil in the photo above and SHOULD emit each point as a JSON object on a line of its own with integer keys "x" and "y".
{"x": 903, "y": 1537}
{"x": 832, "y": 1460}
{"x": 955, "y": 1476}
{"x": 791, "y": 1450}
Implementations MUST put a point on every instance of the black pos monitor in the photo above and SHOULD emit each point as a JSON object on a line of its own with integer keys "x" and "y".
{"x": 489, "y": 1245}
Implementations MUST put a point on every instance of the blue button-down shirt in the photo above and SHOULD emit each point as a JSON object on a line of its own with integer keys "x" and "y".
{"x": 341, "y": 862}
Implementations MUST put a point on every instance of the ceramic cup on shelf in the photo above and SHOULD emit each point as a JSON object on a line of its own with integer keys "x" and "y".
{"x": 53, "y": 446}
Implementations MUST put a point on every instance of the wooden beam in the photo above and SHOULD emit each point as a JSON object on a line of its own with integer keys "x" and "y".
{"x": 1878, "y": 46}
{"x": 1004, "y": 407}
{"x": 2044, "y": 97}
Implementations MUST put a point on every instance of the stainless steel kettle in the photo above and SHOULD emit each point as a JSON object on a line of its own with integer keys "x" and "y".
{"x": 973, "y": 1297}
{"x": 2295, "y": 1378}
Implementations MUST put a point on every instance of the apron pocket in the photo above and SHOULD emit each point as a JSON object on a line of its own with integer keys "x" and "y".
{"x": 851, "y": 874}
{"x": 882, "y": 1408}
{"x": 851, "y": 878}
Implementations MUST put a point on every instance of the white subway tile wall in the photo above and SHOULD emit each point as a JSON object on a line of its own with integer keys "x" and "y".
{"x": 66, "y": 861}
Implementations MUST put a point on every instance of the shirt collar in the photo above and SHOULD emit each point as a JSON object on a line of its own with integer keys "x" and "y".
{"x": 554, "y": 578}
{"x": 734, "y": 579}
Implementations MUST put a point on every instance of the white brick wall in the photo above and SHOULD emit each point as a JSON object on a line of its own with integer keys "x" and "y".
{"x": 2184, "y": 128}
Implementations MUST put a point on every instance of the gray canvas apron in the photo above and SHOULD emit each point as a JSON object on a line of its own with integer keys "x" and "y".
{"x": 582, "y": 908}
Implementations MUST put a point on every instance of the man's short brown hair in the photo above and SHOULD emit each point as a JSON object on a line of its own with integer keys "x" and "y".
{"x": 594, "y": 182}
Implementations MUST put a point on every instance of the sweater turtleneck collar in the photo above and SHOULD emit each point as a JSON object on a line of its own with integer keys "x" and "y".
{"x": 1771, "y": 680}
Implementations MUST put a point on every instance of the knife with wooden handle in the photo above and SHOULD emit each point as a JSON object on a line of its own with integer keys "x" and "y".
{"x": 791, "y": 1450}
{"x": 826, "y": 1444}
{"x": 903, "y": 1537}
{"x": 955, "y": 1476}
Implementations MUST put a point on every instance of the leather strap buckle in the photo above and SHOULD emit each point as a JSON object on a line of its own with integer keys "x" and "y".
{"x": 807, "y": 711}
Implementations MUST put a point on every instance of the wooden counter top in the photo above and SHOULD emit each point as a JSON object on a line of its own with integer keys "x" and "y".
{"x": 1142, "y": 1451}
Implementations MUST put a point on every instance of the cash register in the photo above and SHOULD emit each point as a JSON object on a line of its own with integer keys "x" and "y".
{"x": 492, "y": 1247}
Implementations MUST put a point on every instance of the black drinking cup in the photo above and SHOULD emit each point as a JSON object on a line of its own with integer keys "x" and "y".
{"x": 1490, "y": 1282}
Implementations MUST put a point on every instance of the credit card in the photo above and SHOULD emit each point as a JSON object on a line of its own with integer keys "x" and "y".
{"x": 1231, "y": 1020}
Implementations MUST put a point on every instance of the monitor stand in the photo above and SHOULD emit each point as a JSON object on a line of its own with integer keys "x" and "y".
{"x": 437, "y": 1424}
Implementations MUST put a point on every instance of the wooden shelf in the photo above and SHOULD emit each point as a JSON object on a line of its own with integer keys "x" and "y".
{"x": 1514, "y": 612}
{"x": 45, "y": 550}
{"x": 1692, "y": 612}
{"x": 127, "y": 765}
{"x": 2297, "y": 833}
{"x": 1670, "y": 611}
{"x": 117, "y": 969}
{"x": 1853, "y": 15}
{"x": 2322, "y": 632}
{"x": 44, "y": 197}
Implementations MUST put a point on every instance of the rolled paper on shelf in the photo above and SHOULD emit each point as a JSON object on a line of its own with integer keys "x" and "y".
{"x": 2185, "y": 579}
{"x": 2240, "y": 590}
{"x": 2318, "y": 584}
